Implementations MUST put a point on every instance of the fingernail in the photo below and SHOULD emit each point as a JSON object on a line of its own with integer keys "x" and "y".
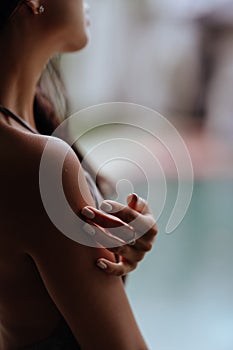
{"x": 88, "y": 213}
{"x": 105, "y": 206}
{"x": 102, "y": 265}
{"x": 89, "y": 229}
{"x": 132, "y": 197}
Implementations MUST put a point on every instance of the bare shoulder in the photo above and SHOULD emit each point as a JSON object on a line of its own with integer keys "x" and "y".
{"x": 53, "y": 176}
{"x": 41, "y": 147}
{"x": 43, "y": 175}
{"x": 51, "y": 159}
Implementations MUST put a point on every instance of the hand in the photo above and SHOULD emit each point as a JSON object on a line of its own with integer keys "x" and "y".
{"x": 127, "y": 230}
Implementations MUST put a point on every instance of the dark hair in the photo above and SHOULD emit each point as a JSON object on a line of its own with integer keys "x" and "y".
{"x": 7, "y": 8}
{"x": 51, "y": 104}
{"x": 51, "y": 107}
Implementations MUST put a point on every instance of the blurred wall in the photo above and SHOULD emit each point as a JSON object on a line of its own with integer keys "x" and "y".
{"x": 156, "y": 53}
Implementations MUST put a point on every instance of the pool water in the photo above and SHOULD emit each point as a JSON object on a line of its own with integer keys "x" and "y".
{"x": 182, "y": 293}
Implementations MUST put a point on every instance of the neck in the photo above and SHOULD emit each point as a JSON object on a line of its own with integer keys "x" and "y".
{"x": 20, "y": 69}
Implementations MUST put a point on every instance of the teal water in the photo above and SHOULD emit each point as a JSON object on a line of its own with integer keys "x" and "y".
{"x": 182, "y": 293}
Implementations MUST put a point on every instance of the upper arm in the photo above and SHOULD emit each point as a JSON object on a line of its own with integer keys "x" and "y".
{"x": 93, "y": 303}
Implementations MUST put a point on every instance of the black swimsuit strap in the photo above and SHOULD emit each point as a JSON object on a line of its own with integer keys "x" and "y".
{"x": 7, "y": 112}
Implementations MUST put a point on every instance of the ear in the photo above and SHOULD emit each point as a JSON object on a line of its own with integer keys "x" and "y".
{"x": 34, "y": 5}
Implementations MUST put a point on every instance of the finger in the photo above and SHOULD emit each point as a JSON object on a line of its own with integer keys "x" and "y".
{"x": 144, "y": 245}
{"x": 116, "y": 269}
{"x": 142, "y": 223}
{"x": 115, "y": 226}
{"x": 130, "y": 254}
{"x": 132, "y": 200}
{"x": 102, "y": 237}
{"x": 127, "y": 213}
{"x": 102, "y": 218}
{"x": 150, "y": 235}
{"x": 138, "y": 203}
{"x": 119, "y": 210}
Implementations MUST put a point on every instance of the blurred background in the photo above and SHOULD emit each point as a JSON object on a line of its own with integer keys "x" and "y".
{"x": 176, "y": 58}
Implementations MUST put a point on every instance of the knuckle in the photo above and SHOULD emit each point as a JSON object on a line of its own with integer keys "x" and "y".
{"x": 148, "y": 247}
{"x": 141, "y": 204}
{"x": 145, "y": 246}
{"x": 155, "y": 228}
{"x": 144, "y": 203}
{"x": 141, "y": 256}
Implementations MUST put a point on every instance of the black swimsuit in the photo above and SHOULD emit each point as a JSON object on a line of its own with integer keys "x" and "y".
{"x": 62, "y": 338}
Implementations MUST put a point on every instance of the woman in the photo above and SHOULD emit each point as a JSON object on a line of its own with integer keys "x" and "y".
{"x": 54, "y": 292}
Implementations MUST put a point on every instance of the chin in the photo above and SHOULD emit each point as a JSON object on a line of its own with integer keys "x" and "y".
{"x": 77, "y": 45}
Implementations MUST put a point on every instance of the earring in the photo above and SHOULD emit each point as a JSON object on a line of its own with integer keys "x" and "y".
{"x": 40, "y": 9}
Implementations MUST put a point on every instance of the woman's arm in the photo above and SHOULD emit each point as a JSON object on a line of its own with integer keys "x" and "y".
{"x": 94, "y": 304}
